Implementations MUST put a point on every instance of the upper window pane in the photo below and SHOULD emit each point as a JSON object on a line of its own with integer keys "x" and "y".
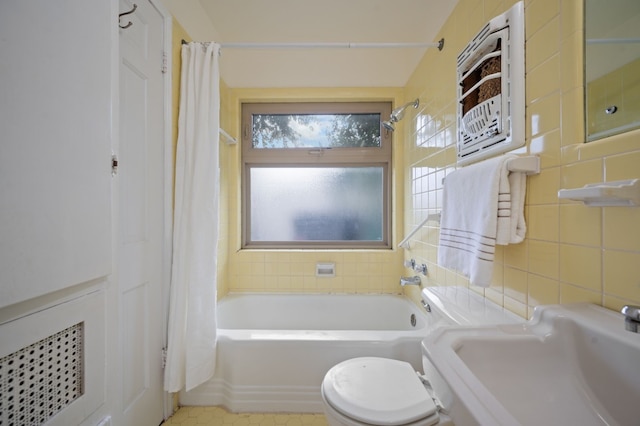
{"x": 315, "y": 130}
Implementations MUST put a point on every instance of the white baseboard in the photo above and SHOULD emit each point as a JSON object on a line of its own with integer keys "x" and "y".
{"x": 263, "y": 399}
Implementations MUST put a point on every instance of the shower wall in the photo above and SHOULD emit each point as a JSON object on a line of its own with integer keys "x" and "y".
{"x": 357, "y": 271}
{"x": 572, "y": 253}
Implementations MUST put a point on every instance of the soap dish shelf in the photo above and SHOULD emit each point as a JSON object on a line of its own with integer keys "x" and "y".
{"x": 604, "y": 194}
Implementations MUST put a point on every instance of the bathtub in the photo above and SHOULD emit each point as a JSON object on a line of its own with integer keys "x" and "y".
{"x": 274, "y": 349}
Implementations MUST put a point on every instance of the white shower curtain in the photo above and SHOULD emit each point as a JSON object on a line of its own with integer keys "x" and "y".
{"x": 191, "y": 351}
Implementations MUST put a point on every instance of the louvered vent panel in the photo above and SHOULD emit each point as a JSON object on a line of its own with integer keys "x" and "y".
{"x": 40, "y": 380}
{"x": 490, "y": 73}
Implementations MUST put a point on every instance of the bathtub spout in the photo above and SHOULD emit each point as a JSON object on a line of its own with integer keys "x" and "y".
{"x": 415, "y": 280}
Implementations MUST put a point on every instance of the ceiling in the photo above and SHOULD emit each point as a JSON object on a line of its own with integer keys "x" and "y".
{"x": 320, "y": 21}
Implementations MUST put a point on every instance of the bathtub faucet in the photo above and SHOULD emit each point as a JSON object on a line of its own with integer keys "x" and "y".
{"x": 415, "y": 280}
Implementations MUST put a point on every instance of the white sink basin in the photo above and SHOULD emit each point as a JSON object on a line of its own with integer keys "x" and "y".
{"x": 569, "y": 365}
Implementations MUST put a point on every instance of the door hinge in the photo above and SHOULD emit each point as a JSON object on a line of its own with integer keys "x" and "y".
{"x": 114, "y": 165}
{"x": 165, "y": 61}
{"x": 164, "y": 357}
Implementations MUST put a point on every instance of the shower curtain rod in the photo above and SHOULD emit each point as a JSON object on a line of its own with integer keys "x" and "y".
{"x": 439, "y": 45}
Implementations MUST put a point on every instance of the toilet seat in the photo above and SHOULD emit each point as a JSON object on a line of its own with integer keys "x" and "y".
{"x": 379, "y": 391}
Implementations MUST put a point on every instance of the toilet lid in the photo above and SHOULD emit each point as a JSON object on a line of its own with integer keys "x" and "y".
{"x": 378, "y": 391}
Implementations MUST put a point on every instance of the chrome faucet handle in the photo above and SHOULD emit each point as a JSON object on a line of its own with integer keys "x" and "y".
{"x": 631, "y": 317}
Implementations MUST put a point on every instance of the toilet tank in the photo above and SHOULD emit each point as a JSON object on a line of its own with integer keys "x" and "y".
{"x": 455, "y": 305}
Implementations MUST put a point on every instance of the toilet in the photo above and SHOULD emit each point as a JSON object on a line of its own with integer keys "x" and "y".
{"x": 370, "y": 391}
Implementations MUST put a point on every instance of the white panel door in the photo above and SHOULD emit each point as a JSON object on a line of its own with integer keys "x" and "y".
{"x": 141, "y": 213}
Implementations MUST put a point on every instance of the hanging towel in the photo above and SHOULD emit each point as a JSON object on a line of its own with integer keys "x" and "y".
{"x": 483, "y": 205}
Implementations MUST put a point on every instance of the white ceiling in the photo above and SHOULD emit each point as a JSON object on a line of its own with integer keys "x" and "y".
{"x": 320, "y": 21}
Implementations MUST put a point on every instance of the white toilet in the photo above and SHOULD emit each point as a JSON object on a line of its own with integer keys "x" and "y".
{"x": 381, "y": 391}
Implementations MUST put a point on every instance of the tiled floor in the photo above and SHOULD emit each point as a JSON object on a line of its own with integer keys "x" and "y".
{"x": 212, "y": 416}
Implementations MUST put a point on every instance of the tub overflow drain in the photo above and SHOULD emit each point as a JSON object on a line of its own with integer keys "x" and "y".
{"x": 413, "y": 320}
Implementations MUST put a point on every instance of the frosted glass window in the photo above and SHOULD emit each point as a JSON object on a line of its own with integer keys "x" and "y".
{"x": 316, "y": 175}
{"x": 317, "y": 204}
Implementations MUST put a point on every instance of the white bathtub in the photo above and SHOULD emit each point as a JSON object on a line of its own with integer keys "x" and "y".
{"x": 274, "y": 350}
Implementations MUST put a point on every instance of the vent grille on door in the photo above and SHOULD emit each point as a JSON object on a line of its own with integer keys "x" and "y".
{"x": 490, "y": 72}
{"x": 40, "y": 380}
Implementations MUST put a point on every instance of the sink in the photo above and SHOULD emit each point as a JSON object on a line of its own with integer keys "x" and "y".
{"x": 570, "y": 364}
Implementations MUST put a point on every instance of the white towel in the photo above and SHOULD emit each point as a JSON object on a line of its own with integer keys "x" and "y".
{"x": 483, "y": 205}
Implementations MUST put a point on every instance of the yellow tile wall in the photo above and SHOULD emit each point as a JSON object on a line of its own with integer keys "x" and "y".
{"x": 357, "y": 271}
{"x": 572, "y": 252}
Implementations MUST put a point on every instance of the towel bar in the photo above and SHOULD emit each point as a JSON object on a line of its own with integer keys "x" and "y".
{"x": 529, "y": 165}
{"x": 230, "y": 140}
{"x": 435, "y": 217}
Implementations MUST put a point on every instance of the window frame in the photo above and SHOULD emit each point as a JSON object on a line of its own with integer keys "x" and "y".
{"x": 315, "y": 157}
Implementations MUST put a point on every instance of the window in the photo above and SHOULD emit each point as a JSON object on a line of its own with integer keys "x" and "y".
{"x": 316, "y": 175}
